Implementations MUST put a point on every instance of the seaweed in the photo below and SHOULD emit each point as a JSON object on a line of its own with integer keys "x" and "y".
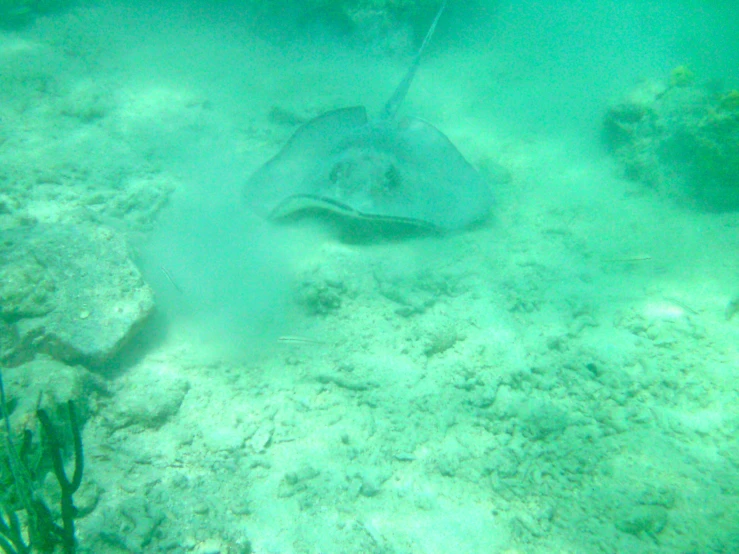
{"x": 21, "y": 470}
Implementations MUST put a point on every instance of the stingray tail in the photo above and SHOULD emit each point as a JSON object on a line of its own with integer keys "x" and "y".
{"x": 393, "y": 105}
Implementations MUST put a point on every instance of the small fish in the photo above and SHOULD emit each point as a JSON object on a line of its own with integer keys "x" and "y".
{"x": 643, "y": 258}
{"x": 732, "y": 307}
{"x": 169, "y": 278}
{"x": 290, "y": 339}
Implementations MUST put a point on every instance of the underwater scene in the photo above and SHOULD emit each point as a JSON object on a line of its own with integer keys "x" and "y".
{"x": 369, "y": 276}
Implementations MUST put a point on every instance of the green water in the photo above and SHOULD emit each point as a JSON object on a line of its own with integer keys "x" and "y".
{"x": 560, "y": 377}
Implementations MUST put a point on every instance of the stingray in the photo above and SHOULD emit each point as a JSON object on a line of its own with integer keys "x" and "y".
{"x": 394, "y": 171}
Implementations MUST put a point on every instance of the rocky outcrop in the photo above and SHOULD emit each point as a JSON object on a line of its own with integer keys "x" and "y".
{"x": 71, "y": 292}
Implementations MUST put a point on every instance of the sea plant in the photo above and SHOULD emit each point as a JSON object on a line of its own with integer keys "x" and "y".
{"x": 22, "y": 468}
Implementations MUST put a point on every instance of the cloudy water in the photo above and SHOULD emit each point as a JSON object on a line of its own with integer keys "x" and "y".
{"x": 504, "y": 319}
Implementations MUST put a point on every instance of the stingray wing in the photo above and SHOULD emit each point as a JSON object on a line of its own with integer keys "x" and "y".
{"x": 435, "y": 184}
{"x": 293, "y": 169}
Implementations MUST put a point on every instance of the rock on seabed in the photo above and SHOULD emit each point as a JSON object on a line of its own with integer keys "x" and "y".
{"x": 69, "y": 291}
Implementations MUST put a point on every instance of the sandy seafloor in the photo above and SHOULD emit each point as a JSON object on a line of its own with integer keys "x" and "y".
{"x": 561, "y": 378}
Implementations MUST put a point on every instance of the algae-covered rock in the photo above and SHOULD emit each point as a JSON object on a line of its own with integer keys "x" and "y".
{"x": 681, "y": 138}
{"x": 50, "y": 384}
{"x": 353, "y": 10}
{"x": 26, "y": 288}
{"x": 392, "y": 24}
{"x": 69, "y": 291}
{"x": 149, "y": 395}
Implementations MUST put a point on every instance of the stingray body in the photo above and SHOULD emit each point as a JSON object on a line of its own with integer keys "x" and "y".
{"x": 395, "y": 171}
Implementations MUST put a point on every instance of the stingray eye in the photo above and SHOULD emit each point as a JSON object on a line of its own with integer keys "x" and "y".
{"x": 334, "y": 175}
{"x": 339, "y": 172}
{"x": 392, "y": 178}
